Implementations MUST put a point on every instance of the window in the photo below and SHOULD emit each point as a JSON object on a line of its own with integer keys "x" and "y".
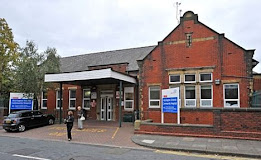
{"x": 58, "y": 99}
{"x": 128, "y": 98}
{"x": 231, "y": 95}
{"x": 190, "y": 96}
{"x": 14, "y": 115}
{"x": 206, "y": 96}
{"x": 44, "y": 100}
{"x": 27, "y": 114}
{"x": 174, "y": 79}
{"x": 190, "y": 78}
{"x": 72, "y": 99}
{"x": 35, "y": 113}
{"x": 86, "y": 99}
{"x": 188, "y": 39}
{"x": 154, "y": 97}
{"x": 205, "y": 77}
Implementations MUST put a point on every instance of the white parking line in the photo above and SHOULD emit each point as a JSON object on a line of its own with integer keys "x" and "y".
{"x": 29, "y": 157}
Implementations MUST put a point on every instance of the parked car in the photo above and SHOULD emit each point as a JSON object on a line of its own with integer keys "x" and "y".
{"x": 22, "y": 120}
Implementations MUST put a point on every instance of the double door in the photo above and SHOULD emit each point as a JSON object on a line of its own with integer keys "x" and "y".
{"x": 106, "y": 107}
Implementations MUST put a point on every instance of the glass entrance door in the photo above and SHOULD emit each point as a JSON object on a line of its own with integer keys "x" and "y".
{"x": 106, "y": 107}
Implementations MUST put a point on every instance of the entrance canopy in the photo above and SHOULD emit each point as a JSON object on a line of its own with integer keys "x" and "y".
{"x": 102, "y": 75}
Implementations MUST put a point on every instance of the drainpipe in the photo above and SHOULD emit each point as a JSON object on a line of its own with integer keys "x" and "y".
{"x": 137, "y": 95}
{"x": 60, "y": 102}
{"x": 120, "y": 104}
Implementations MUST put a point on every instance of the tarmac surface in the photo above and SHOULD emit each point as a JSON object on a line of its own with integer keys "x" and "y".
{"x": 110, "y": 134}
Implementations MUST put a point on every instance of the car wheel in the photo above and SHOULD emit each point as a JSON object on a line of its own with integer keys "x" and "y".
{"x": 21, "y": 128}
{"x": 7, "y": 130}
{"x": 51, "y": 121}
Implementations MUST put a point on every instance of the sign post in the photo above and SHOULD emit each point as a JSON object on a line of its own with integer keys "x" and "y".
{"x": 170, "y": 103}
{"x": 20, "y": 101}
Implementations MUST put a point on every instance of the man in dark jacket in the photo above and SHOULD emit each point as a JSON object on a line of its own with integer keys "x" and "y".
{"x": 69, "y": 124}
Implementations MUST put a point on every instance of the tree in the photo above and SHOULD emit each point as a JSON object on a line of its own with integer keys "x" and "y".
{"x": 8, "y": 58}
{"x": 33, "y": 66}
{"x": 51, "y": 64}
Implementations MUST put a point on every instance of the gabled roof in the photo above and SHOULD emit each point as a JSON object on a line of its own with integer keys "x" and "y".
{"x": 189, "y": 15}
{"x": 82, "y": 62}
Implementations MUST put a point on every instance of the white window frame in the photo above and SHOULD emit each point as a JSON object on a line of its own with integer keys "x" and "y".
{"x": 174, "y": 75}
{"x": 87, "y": 99}
{"x": 57, "y": 99}
{"x": 224, "y": 96}
{"x": 188, "y": 39}
{"x": 195, "y": 100}
{"x": 128, "y": 90}
{"x": 207, "y": 80}
{"x": 206, "y": 99}
{"x": 42, "y": 107}
{"x": 73, "y": 108}
{"x": 190, "y": 81}
{"x": 156, "y": 100}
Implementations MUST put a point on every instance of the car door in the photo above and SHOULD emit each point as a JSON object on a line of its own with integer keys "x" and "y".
{"x": 37, "y": 118}
{"x": 26, "y": 119}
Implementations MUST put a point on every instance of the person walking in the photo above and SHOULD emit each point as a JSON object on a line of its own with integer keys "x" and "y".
{"x": 81, "y": 118}
{"x": 69, "y": 124}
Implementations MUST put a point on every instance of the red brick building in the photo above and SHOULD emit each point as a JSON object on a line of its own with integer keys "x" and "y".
{"x": 211, "y": 71}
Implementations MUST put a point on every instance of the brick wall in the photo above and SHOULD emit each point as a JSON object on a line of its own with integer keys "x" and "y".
{"x": 227, "y": 123}
{"x": 116, "y": 67}
{"x": 241, "y": 121}
{"x": 51, "y": 99}
{"x": 257, "y": 82}
{"x": 187, "y": 116}
{"x": 196, "y": 116}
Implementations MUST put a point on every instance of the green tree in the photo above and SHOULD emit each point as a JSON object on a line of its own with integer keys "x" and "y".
{"x": 8, "y": 58}
{"x": 33, "y": 66}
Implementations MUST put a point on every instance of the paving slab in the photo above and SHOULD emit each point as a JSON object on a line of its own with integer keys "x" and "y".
{"x": 232, "y": 147}
{"x": 94, "y": 132}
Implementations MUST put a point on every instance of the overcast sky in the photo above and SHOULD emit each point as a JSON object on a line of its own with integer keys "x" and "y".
{"x": 76, "y": 27}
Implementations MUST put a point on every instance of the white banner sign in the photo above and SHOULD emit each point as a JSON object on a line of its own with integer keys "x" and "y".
{"x": 170, "y": 103}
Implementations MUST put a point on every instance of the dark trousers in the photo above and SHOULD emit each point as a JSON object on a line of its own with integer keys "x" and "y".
{"x": 69, "y": 129}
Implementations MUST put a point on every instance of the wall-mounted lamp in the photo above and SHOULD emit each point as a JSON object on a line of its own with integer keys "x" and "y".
{"x": 217, "y": 81}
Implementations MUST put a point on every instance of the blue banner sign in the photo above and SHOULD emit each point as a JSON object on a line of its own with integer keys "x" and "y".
{"x": 170, "y": 104}
{"x": 21, "y": 104}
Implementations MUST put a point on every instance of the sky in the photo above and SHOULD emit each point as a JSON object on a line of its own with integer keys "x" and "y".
{"x": 76, "y": 27}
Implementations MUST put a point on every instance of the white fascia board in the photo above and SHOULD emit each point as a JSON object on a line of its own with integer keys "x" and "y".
{"x": 123, "y": 77}
{"x": 75, "y": 76}
{"x": 88, "y": 75}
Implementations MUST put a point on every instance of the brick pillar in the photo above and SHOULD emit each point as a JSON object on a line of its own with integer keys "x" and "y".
{"x": 217, "y": 121}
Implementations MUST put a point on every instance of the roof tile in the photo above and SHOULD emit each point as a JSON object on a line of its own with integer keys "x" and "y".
{"x": 81, "y": 62}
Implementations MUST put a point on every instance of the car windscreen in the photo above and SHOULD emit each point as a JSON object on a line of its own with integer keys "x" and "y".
{"x": 13, "y": 115}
